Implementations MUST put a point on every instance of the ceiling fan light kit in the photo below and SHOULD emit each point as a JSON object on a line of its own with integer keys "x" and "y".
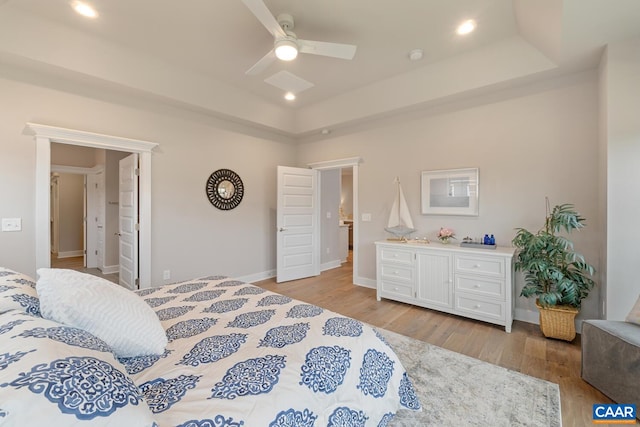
{"x": 286, "y": 49}
{"x": 286, "y": 43}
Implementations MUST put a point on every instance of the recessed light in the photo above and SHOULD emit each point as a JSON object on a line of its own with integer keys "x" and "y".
{"x": 416, "y": 54}
{"x": 466, "y": 27}
{"x": 289, "y": 96}
{"x": 84, "y": 9}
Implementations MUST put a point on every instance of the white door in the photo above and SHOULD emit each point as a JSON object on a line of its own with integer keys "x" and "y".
{"x": 101, "y": 201}
{"x": 298, "y": 231}
{"x": 92, "y": 236}
{"x": 128, "y": 221}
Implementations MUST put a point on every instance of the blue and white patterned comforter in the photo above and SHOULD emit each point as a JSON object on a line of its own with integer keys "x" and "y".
{"x": 241, "y": 355}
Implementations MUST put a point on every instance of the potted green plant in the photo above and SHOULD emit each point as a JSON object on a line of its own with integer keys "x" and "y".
{"x": 556, "y": 275}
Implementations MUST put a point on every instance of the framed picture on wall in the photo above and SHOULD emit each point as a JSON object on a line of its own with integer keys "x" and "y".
{"x": 450, "y": 192}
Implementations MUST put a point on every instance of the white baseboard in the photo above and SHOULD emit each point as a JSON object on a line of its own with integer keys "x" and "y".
{"x": 70, "y": 254}
{"x": 110, "y": 269}
{"x": 529, "y": 316}
{"x": 331, "y": 264}
{"x": 364, "y": 282}
{"x": 258, "y": 276}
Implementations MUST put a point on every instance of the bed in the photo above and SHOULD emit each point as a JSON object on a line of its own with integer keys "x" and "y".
{"x": 235, "y": 355}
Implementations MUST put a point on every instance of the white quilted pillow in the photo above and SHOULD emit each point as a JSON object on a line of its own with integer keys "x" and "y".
{"x": 112, "y": 313}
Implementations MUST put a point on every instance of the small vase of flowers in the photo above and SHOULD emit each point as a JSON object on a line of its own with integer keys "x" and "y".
{"x": 445, "y": 235}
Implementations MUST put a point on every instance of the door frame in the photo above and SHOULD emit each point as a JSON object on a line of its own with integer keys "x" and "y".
{"x": 354, "y": 163}
{"x": 44, "y": 135}
{"x": 89, "y": 232}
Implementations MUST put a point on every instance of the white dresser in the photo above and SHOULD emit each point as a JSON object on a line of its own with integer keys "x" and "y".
{"x": 469, "y": 282}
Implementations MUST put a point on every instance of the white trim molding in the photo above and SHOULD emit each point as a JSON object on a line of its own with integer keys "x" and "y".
{"x": 335, "y": 164}
{"x": 44, "y": 135}
{"x": 88, "y": 139}
{"x": 76, "y": 169}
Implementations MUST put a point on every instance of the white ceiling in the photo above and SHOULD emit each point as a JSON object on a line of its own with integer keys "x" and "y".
{"x": 195, "y": 53}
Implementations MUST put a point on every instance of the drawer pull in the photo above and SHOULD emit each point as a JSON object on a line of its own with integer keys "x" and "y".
{"x": 395, "y": 288}
{"x": 477, "y": 285}
{"x": 476, "y": 306}
{"x": 476, "y": 266}
{"x": 395, "y": 272}
{"x": 395, "y": 255}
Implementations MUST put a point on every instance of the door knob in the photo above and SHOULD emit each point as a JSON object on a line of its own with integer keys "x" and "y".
{"x": 282, "y": 229}
{"x": 117, "y": 234}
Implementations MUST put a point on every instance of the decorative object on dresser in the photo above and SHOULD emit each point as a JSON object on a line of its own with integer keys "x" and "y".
{"x": 445, "y": 235}
{"x": 450, "y": 192}
{"x": 225, "y": 189}
{"x": 557, "y": 276}
{"x": 400, "y": 223}
{"x": 448, "y": 278}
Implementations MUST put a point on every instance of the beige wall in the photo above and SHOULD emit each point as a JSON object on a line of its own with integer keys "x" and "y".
{"x": 72, "y": 155}
{"x": 346, "y": 196}
{"x": 621, "y": 104}
{"x": 531, "y": 142}
{"x": 71, "y": 212}
{"x": 189, "y": 236}
{"x": 329, "y": 216}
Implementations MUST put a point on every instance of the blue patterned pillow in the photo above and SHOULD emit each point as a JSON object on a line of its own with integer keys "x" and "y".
{"x": 52, "y": 374}
{"x": 18, "y": 292}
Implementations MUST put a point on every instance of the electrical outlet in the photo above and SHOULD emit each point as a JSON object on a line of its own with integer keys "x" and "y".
{"x": 166, "y": 275}
{"x": 328, "y": 215}
{"x": 366, "y": 217}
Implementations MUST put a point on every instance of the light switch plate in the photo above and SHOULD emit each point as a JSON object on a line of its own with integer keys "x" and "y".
{"x": 11, "y": 224}
{"x": 366, "y": 217}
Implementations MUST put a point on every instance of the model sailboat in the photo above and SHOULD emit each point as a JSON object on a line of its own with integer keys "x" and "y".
{"x": 400, "y": 223}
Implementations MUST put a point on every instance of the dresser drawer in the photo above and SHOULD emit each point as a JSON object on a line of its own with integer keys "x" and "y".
{"x": 480, "y": 265}
{"x": 492, "y": 310}
{"x": 398, "y": 273}
{"x": 398, "y": 289}
{"x": 493, "y": 288}
{"x": 400, "y": 256}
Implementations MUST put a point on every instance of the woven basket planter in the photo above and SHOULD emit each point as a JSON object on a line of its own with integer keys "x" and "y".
{"x": 558, "y": 321}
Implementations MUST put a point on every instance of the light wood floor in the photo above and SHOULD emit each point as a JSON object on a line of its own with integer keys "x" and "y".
{"x": 77, "y": 263}
{"x": 524, "y": 350}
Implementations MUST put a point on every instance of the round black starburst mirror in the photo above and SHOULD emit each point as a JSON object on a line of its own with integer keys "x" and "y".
{"x": 225, "y": 189}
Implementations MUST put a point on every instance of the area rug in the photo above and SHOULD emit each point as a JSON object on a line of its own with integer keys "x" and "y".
{"x": 457, "y": 390}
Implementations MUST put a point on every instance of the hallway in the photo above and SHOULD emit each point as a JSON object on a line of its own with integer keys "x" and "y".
{"x": 77, "y": 263}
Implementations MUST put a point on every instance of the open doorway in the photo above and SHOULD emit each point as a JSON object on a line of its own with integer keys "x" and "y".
{"x": 84, "y": 209}
{"x": 346, "y": 212}
{"x": 45, "y": 136}
{"x": 331, "y": 199}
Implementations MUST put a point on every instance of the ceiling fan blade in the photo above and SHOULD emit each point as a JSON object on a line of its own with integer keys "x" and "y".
{"x": 264, "y": 15}
{"x": 336, "y": 50}
{"x": 262, "y": 64}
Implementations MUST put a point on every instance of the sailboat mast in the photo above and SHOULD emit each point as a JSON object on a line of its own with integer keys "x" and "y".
{"x": 398, "y": 196}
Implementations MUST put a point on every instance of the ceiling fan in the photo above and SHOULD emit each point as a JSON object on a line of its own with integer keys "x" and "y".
{"x": 286, "y": 44}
